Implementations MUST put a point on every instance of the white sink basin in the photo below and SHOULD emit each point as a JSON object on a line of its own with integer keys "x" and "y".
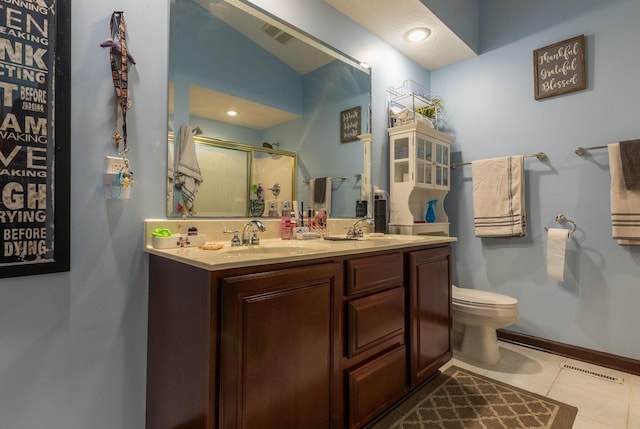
{"x": 278, "y": 248}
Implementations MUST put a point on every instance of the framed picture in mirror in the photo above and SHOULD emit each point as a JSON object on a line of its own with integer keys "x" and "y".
{"x": 350, "y": 124}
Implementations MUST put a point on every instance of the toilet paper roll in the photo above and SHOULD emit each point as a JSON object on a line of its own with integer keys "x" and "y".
{"x": 556, "y": 245}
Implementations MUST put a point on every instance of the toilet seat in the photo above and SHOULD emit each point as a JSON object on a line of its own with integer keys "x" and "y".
{"x": 481, "y": 298}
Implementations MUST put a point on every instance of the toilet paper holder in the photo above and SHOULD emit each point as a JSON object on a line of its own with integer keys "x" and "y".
{"x": 562, "y": 219}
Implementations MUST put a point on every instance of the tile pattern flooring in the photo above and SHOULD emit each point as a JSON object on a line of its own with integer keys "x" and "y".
{"x": 602, "y": 404}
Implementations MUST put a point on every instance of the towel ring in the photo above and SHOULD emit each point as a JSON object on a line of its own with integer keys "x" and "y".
{"x": 562, "y": 219}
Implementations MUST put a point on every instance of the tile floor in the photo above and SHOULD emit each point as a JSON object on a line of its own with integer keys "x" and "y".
{"x": 602, "y": 404}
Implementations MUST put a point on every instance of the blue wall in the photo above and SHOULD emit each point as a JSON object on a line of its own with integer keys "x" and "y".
{"x": 316, "y": 136}
{"x": 461, "y": 16}
{"x": 492, "y": 112}
{"x": 326, "y": 92}
{"x": 73, "y": 345}
{"x": 199, "y": 41}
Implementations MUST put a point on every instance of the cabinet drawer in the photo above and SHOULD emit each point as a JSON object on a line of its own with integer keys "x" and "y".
{"x": 375, "y": 385}
{"x": 374, "y": 273}
{"x": 374, "y": 319}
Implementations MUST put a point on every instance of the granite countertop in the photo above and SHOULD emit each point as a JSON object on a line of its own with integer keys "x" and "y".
{"x": 275, "y": 250}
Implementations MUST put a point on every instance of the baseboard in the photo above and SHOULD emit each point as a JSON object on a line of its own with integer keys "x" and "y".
{"x": 608, "y": 360}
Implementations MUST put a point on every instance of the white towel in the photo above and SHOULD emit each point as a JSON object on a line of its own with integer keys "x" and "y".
{"x": 498, "y": 197}
{"x": 326, "y": 203}
{"x": 556, "y": 246}
{"x": 170, "y": 178}
{"x": 189, "y": 176}
{"x": 625, "y": 203}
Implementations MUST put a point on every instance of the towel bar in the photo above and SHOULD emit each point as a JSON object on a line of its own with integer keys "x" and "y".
{"x": 332, "y": 178}
{"x": 540, "y": 155}
{"x": 582, "y": 150}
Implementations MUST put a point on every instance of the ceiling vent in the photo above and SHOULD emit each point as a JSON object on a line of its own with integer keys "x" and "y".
{"x": 277, "y": 34}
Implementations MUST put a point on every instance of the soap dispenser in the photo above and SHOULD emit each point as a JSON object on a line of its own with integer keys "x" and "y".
{"x": 431, "y": 211}
{"x": 285, "y": 226}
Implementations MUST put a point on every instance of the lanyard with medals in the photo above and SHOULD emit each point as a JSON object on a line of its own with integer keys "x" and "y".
{"x": 119, "y": 57}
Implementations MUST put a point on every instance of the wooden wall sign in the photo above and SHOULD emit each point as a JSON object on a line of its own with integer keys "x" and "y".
{"x": 35, "y": 137}
{"x": 559, "y": 68}
{"x": 350, "y": 124}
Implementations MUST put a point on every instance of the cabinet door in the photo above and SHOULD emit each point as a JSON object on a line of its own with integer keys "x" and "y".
{"x": 430, "y": 311}
{"x": 423, "y": 160}
{"x": 400, "y": 159}
{"x": 441, "y": 165}
{"x": 277, "y": 348}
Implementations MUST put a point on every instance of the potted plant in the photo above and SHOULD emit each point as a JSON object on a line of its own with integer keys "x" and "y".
{"x": 433, "y": 110}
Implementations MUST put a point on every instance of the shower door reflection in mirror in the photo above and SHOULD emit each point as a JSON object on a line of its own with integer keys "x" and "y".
{"x": 229, "y": 169}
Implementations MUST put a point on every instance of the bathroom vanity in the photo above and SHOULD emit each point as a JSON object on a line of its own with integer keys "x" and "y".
{"x": 294, "y": 334}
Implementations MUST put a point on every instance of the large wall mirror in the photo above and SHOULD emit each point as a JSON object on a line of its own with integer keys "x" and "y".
{"x": 290, "y": 93}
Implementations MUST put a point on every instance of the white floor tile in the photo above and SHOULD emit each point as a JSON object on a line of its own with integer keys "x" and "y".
{"x": 634, "y": 405}
{"x": 598, "y": 400}
{"x": 582, "y": 422}
{"x": 527, "y": 374}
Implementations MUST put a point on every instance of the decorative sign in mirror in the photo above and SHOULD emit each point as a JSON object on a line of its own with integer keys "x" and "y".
{"x": 350, "y": 124}
{"x": 285, "y": 91}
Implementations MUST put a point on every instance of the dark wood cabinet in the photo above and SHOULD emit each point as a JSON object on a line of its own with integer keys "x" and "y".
{"x": 329, "y": 343}
{"x": 430, "y": 311}
{"x": 277, "y": 344}
{"x": 375, "y": 385}
{"x": 181, "y": 355}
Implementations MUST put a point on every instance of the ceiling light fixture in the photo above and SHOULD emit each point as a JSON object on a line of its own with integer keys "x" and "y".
{"x": 232, "y": 113}
{"x": 417, "y": 34}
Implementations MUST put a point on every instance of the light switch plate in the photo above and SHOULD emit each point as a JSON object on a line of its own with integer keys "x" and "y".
{"x": 115, "y": 164}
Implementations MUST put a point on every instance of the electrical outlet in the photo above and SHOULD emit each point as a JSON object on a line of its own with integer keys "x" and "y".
{"x": 114, "y": 164}
{"x": 115, "y": 187}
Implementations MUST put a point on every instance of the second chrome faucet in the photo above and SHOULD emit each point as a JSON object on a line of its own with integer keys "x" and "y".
{"x": 355, "y": 231}
{"x": 246, "y": 240}
{"x": 257, "y": 226}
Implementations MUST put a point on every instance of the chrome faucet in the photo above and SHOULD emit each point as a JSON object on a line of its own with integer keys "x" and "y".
{"x": 355, "y": 231}
{"x": 257, "y": 226}
{"x": 235, "y": 241}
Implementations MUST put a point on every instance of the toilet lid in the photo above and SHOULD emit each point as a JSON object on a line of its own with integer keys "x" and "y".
{"x": 474, "y": 296}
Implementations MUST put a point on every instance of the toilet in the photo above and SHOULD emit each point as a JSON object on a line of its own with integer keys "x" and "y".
{"x": 476, "y": 315}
